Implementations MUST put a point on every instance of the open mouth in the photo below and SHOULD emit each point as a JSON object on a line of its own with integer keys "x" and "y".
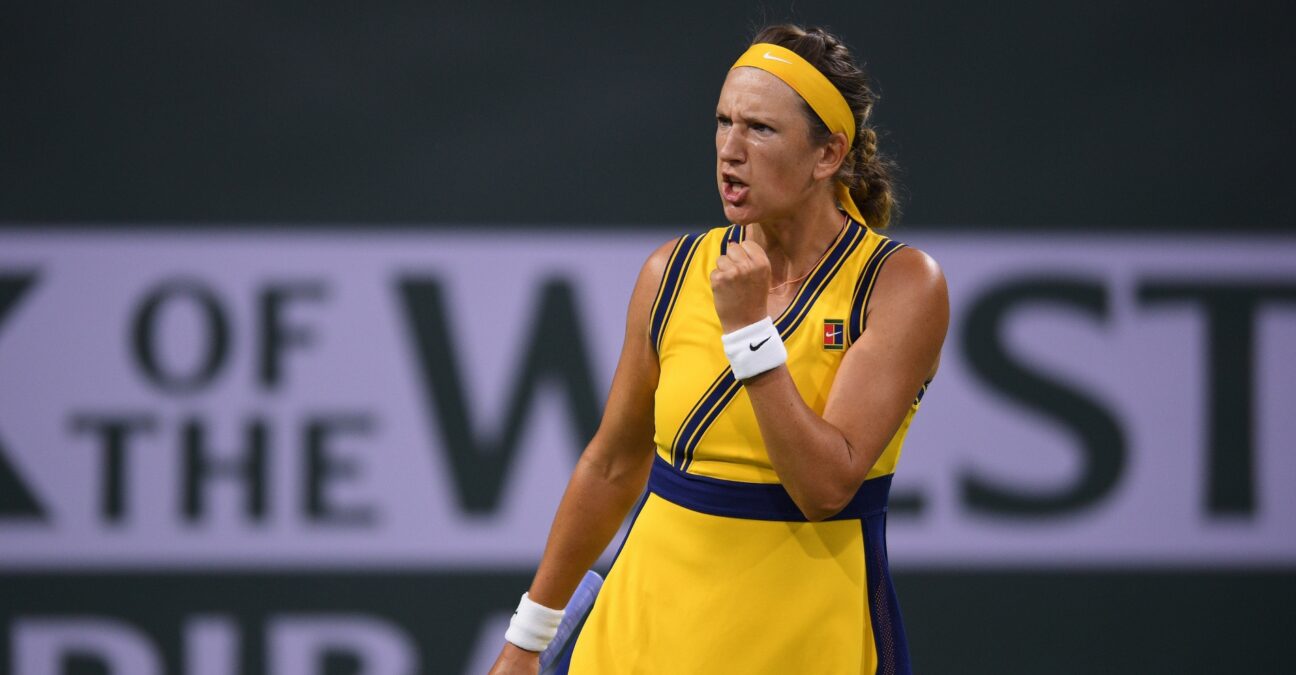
{"x": 733, "y": 190}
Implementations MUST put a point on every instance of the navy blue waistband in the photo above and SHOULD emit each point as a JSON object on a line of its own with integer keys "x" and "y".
{"x": 754, "y": 501}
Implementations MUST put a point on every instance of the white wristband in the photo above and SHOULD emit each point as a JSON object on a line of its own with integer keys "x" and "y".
{"x": 533, "y": 625}
{"x": 754, "y": 349}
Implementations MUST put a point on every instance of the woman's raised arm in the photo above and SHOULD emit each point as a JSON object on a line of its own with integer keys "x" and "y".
{"x": 822, "y": 461}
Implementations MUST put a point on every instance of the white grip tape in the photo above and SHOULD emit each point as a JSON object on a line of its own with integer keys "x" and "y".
{"x": 754, "y": 349}
{"x": 533, "y": 625}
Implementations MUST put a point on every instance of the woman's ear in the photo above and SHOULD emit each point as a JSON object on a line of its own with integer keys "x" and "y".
{"x": 831, "y": 156}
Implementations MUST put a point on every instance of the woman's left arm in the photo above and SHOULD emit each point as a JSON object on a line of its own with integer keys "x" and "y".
{"x": 822, "y": 461}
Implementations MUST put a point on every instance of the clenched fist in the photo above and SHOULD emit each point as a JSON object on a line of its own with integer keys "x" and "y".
{"x": 741, "y": 283}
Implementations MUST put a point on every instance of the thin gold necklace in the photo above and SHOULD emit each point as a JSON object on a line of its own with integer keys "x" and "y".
{"x": 812, "y": 267}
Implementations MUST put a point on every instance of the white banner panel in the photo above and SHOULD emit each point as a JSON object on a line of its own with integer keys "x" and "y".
{"x": 358, "y": 399}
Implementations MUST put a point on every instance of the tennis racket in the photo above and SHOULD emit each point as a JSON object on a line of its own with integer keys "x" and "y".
{"x": 579, "y": 605}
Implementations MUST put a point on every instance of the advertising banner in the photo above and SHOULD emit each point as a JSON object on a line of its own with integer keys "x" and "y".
{"x": 304, "y": 446}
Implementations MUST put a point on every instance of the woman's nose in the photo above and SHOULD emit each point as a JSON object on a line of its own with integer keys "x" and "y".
{"x": 730, "y": 147}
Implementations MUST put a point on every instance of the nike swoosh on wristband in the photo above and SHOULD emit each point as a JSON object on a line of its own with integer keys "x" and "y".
{"x": 775, "y": 58}
{"x": 756, "y": 346}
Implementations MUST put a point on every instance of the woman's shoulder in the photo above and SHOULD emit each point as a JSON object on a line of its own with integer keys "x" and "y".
{"x": 911, "y": 277}
{"x": 914, "y": 264}
{"x": 655, "y": 265}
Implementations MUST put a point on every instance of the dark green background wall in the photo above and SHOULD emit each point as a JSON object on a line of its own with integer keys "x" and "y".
{"x": 1071, "y": 114}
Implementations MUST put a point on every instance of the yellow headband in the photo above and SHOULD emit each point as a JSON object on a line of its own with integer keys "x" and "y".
{"x": 816, "y": 90}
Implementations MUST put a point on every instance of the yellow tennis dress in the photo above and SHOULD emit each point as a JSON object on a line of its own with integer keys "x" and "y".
{"x": 720, "y": 572}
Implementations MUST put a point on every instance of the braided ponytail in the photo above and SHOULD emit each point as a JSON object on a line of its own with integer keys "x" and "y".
{"x": 869, "y": 178}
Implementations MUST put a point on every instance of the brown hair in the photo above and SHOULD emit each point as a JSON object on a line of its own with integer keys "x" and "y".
{"x": 865, "y": 172}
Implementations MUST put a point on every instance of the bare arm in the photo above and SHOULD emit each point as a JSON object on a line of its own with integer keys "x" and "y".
{"x": 613, "y": 469}
{"x": 822, "y": 461}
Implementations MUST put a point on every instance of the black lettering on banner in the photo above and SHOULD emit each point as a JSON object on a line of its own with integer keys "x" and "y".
{"x": 557, "y": 353}
{"x": 1230, "y": 309}
{"x": 277, "y": 335}
{"x": 145, "y": 336}
{"x": 16, "y": 499}
{"x": 1102, "y": 441}
{"x": 324, "y": 468}
{"x": 906, "y": 504}
{"x": 200, "y": 467}
{"x": 114, "y": 434}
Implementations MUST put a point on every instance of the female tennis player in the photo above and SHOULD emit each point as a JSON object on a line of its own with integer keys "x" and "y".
{"x": 770, "y": 371}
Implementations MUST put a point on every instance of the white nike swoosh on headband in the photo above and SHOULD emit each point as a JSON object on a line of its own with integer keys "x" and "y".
{"x": 775, "y": 58}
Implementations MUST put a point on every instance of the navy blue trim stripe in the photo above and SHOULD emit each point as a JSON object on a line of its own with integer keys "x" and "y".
{"x": 733, "y": 234}
{"x": 865, "y": 272}
{"x": 723, "y": 381}
{"x": 725, "y": 387}
{"x": 792, "y": 317}
{"x": 668, "y": 290}
{"x": 664, "y": 290}
{"x": 634, "y": 518}
{"x": 721, "y": 401}
{"x": 677, "y": 282}
{"x": 754, "y": 501}
{"x": 889, "y": 638}
{"x": 864, "y": 286}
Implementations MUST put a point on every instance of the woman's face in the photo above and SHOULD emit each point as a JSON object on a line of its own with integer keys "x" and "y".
{"x": 765, "y": 161}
